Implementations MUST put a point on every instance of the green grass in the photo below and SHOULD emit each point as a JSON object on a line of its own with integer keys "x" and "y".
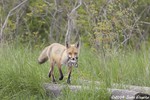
{"x": 20, "y": 74}
{"x": 21, "y": 77}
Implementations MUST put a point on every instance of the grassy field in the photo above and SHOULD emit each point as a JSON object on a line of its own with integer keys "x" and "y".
{"x": 21, "y": 77}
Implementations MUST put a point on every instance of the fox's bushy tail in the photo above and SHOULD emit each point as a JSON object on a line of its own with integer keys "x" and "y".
{"x": 43, "y": 56}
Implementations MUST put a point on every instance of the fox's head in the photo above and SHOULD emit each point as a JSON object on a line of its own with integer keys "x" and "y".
{"x": 73, "y": 52}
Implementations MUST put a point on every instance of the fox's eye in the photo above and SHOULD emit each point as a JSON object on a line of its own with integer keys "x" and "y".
{"x": 75, "y": 53}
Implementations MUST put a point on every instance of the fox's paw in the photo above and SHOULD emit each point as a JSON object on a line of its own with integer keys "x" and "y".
{"x": 54, "y": 81}
{"x": 49, "y": 74}
{"x": 61, "y": 77}
{"x": 68, "y": 81}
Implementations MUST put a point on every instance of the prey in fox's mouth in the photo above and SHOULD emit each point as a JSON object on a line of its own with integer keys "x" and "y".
{"x": 72, "y": 63}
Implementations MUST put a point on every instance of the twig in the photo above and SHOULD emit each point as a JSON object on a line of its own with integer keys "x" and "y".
{"x": 47, "y": 2}
{"x": 148, "y": 23}
{"x": 71, "y": 22}
{"x": 73, "y": 10}
{"x": 9, "y": 14}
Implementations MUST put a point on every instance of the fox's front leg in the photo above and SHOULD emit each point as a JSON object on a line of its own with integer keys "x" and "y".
{"x": 69, "y": 74}
{"x": 60, "y": 72}
{"x": 51, "y": 72}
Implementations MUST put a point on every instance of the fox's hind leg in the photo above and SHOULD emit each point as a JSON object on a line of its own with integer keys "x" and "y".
{"x": 51, "y": 72}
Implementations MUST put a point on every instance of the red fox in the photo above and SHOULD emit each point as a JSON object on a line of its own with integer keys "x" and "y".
{"x": 60, "y": 54}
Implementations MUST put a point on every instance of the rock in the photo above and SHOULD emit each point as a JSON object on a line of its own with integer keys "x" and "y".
{"x": 116, "y": 94}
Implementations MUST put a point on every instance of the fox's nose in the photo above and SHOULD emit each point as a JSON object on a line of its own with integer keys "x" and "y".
{"x": 73, "y": 58}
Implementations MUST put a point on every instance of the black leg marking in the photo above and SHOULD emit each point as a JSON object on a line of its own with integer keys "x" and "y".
{"x": 49, "y": 74}
{"x": 68, "y": 80}
{"x": 53, "y": 79}
{"x": 61, "y": 74}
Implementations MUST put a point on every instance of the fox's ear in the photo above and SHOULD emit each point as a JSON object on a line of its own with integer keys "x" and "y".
{"x": 77, "y": 44}
{"x": 67, "y": 44}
